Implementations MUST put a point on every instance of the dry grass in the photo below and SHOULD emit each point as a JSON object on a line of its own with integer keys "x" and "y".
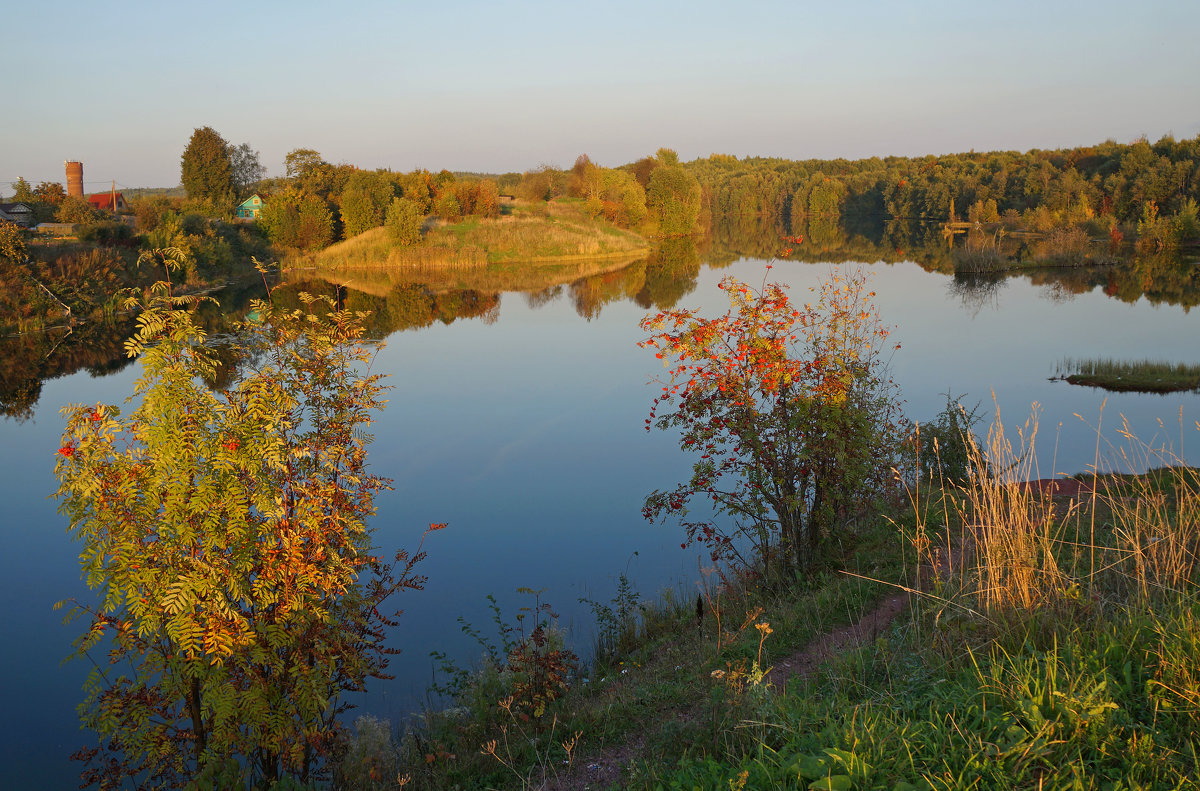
{"x": 1107, "y": 535}
{"x": 1011, "y": 525}
{"x": 554, "y": 231}
{"x": 375, "y": 249}
{"x": 1155, "y": 518}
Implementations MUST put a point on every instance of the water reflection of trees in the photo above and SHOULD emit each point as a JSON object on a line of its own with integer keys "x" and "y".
{"x": 671, "y": 273}
{"x": 590, "y": 294}
{"x": 1164, "y": 278}
{"x": 977, "y": 292}
{"x": 660, "y": 281}
{"x": 543, "y": 296}
{"x": 405, "y": 306}
{"x": 26, "y": 361}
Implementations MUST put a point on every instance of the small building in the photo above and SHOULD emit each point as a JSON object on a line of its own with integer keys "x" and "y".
{"x": 56, "y": 229}
{"x": 250, "y": 208}
{"x": 20, "y": 213}
{"x": 104, "y": 201}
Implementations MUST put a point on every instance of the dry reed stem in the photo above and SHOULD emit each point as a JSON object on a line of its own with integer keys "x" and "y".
{"x": 1011, "y": 524}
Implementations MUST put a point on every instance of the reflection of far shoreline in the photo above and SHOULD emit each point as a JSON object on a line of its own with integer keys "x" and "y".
{"x": 526, "y": 277}
{"x": 410, "y": 298}
{"x": 1168, "y": 278}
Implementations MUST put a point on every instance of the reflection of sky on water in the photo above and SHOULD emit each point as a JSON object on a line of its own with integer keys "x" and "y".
{"x": 527, "y": 437}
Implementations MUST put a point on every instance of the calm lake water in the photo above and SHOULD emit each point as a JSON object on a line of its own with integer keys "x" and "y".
{"x": 520, "y": 423}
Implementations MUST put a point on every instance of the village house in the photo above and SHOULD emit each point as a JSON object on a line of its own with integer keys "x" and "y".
{"x": 104, "y": 201}
{"x": 250, "y": 208}
{"x": 20, "y": 213}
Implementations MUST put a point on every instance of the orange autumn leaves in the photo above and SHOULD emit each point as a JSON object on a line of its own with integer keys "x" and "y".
{"x": 788, "y": 408}
{"x": 764, "y": 343}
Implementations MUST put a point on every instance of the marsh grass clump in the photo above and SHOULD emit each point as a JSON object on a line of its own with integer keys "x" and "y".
{"x": 1066, "y": 246}
{"x": 980, "y": 260}
{"x": 1142, "y": 376}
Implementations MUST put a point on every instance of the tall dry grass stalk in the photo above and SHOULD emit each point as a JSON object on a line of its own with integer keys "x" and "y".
{"x": 1155, "y": 518}
{"x": 1010, "y": 524}
{"x": 1121, "y": 534}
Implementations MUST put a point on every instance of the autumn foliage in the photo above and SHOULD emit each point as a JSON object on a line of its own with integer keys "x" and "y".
{"x": 788, "y": 408}
{"x": 225, "y": 534}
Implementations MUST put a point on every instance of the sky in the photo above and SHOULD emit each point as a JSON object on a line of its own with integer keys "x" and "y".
{"x": 511, "y": 85}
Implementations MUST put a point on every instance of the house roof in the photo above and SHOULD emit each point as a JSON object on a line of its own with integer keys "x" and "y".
{"x": 103, "y": 200}
{"x": 16, "y": 208}
{"x": 249, "y": 200}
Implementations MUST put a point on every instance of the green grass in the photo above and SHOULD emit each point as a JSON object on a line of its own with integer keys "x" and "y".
{"x": 1143, "y": 376}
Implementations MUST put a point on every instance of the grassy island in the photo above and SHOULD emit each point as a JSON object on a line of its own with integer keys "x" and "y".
{"x": 556, "y": 232}
{"x": 1138, "y": 376}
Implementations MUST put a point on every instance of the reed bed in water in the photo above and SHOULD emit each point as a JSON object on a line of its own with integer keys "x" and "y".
{"x": 1153, "y": 376}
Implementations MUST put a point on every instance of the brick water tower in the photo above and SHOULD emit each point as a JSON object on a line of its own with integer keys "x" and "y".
{"x": 74, "y": 178}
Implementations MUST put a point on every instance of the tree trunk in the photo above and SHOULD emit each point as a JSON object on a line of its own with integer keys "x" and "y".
{"x": 197, "y": 720}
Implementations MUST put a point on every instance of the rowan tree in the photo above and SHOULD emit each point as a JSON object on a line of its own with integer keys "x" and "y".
{"x": 791, "y": 412}
{"x": 225, "y": 533}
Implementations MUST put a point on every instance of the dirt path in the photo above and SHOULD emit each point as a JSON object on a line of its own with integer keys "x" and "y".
{"x": 605, "y": 768}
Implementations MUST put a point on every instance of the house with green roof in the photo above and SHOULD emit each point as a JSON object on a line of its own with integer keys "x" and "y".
{"x": 249, "y": 208}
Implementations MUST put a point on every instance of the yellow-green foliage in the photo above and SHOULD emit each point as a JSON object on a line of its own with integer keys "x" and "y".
{"x": 224, "y": 534}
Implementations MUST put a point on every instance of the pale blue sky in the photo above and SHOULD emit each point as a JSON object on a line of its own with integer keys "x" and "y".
{"x": 501, "y": 86}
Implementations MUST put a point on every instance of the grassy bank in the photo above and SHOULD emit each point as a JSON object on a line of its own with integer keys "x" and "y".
{"x": 1141, "y": 376}
{"x": 1053, "y": 647}
{"x": 557, "y": 232}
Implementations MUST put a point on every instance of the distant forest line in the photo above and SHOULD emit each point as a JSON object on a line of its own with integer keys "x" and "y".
{"x": 1140, "y": 189}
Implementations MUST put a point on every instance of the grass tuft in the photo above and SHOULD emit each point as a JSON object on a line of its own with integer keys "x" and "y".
{"x": 1142, "y": 376}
